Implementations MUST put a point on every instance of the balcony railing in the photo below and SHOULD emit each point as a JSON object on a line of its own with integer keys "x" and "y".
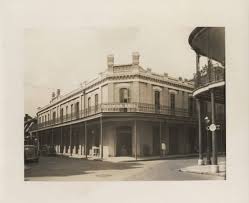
{"x": 120, "y": 107}
{"x": 209, "y": 75}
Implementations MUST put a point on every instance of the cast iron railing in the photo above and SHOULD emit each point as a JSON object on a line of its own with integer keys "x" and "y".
{"x": 208, "y": 75}
{"x": 120, "y": 107}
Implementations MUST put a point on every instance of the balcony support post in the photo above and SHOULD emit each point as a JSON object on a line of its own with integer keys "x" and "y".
{"x": 52, "y": 137}
{"x": 85, "y": 148}
{"x": 214, "y": 153}
{"x": 135, "y": 133}
{"x": 61, "y": 146}
{"x": 101, "y": 138}
{"x": 198, "y": 105}
{"x": 70, "y": 139}
{"x": 160, "y": 134}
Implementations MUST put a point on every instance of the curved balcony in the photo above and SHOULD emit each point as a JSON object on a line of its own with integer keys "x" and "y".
{"x": 209, "y": 77}
{"x": 120, "y": 108}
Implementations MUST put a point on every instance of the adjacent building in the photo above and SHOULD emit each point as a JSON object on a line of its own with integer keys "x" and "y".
{"x": 209, "y": 92}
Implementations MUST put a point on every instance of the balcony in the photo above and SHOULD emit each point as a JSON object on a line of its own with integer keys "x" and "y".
{"x": 209, "y": 75}
{"x": 120, "y": 108}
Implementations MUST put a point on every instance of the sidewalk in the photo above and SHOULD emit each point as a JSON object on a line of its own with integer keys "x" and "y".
{"x": 127, "y": 158}
{"x": 206, "y": 169}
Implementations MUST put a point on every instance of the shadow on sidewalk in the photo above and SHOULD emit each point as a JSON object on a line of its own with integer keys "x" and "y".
{"x": 65, "y": 166}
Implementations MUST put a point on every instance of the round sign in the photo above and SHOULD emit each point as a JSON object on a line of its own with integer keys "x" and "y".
{"x": 212, "y": 127}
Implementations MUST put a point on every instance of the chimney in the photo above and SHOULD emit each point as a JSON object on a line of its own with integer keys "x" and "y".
{"x": 135, "y": 58}
{"x": 58, "y": 92}
{"x": 110, "y": 62}
{"x": 53, "y": 95}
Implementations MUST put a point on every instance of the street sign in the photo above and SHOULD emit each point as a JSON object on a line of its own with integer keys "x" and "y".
{"x": 212, "y": 127}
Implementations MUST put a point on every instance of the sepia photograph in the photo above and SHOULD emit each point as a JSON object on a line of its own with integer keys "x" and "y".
{"x": 130, "y": 121}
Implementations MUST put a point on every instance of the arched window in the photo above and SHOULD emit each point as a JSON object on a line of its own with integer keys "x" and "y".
{"x": 89, "y": 105}
{"x": 96, "y": 102}
{"x": 124, "y": 95}
{"x": 157, "y": 100}
{"x": 172, "y": 101}
{"x": 77, "y": 109}
{"x": 62, "y": 114}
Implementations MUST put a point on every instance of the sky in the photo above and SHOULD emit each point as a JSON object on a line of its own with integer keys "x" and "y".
{"x": 61, "y": 54}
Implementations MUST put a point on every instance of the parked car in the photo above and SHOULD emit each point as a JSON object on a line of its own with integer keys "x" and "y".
{"x": 31, "y": 153}
{"x": 44, "y": 150}
{"x": 51, "y": 151}
{"x": 48, "y": 150}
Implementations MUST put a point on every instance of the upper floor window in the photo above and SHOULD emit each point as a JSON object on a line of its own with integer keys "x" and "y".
{"x": 190, "y": 105}
{"x": 77, "y": 109}
{"x": 66, "y": 112}
{"x": 172, "y": 101}
{"x": 96, "y": 101}
{"x": 45, "y": 119}
{"x": 89, "y": 102}
{"x": 124, "y": 95}
{"x": 157, "y": 99}
{"x": 71, "y": 110}
{"x": 54, "y": 116}
{"x": 62, "y": 114}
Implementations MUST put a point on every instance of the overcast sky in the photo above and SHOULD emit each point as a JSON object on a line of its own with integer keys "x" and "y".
{"x": 62, "y": 55}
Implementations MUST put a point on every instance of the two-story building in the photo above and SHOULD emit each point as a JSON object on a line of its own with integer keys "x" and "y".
{"x": 126, "y": 111}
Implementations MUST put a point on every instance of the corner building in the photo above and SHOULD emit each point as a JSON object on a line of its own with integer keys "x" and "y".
{"x": 126, "y": 111}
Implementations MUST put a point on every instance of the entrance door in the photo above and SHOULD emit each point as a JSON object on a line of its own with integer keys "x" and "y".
{"x": 173, "y": 141}
{"x": 124, "y": 147}
{"x": 156, "y": 141}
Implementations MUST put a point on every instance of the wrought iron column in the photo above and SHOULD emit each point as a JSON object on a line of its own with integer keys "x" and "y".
{"x": 214, "y": 154}
{"x": 198, "y": 105}
{"x": 135, "y": 133}
{"x": 160, "y": 134}
{"x": 101, "y": 138}
{"x": 70, "y": 139}
{"x": 61, "y": 147}
{"x": 52, "y": 140}
{"x": 85, "y": 148}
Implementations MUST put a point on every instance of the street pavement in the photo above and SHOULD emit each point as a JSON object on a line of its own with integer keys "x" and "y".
{"x": 72, "y": 169}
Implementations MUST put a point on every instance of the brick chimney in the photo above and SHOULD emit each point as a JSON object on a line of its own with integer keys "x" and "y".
{"x": 58, "y": 92}
{"x": 110, "y": 62}
{"x": 135, "y": 58}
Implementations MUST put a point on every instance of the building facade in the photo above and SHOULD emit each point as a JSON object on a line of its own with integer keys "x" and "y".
{"x": 126, "y": 111}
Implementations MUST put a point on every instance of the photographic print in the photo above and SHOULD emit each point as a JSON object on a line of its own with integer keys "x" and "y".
{"x": 156, "y": 113}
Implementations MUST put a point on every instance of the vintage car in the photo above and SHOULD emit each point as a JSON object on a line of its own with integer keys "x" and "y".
{"x": 31, "y": 153}
{"x": 48, "y": 150}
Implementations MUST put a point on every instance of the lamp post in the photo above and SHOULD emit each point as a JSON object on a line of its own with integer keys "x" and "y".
{"x": 207, "y": 121}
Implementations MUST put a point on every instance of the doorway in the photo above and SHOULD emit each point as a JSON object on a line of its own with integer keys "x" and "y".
{"x": 156, "y": 141}
{"x": 124, "y": 143}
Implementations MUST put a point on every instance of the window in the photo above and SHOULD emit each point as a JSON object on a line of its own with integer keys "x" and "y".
{"x": 77, "y": 109}
{"x": 45, "y": 119}
{"x": 54, "y": 117}
{"x": 71, "y": 111}
{"x": 124, "y": 95}
{"x": 66, "y": 112}
{"x": 62, "y": 114}
{"x": 190, "y": 106}
{"x": 96, "y": 102}
{"x": 157, "y": 100}
{"x": 172, "y": 101}
{"x": 89, "y": 105}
